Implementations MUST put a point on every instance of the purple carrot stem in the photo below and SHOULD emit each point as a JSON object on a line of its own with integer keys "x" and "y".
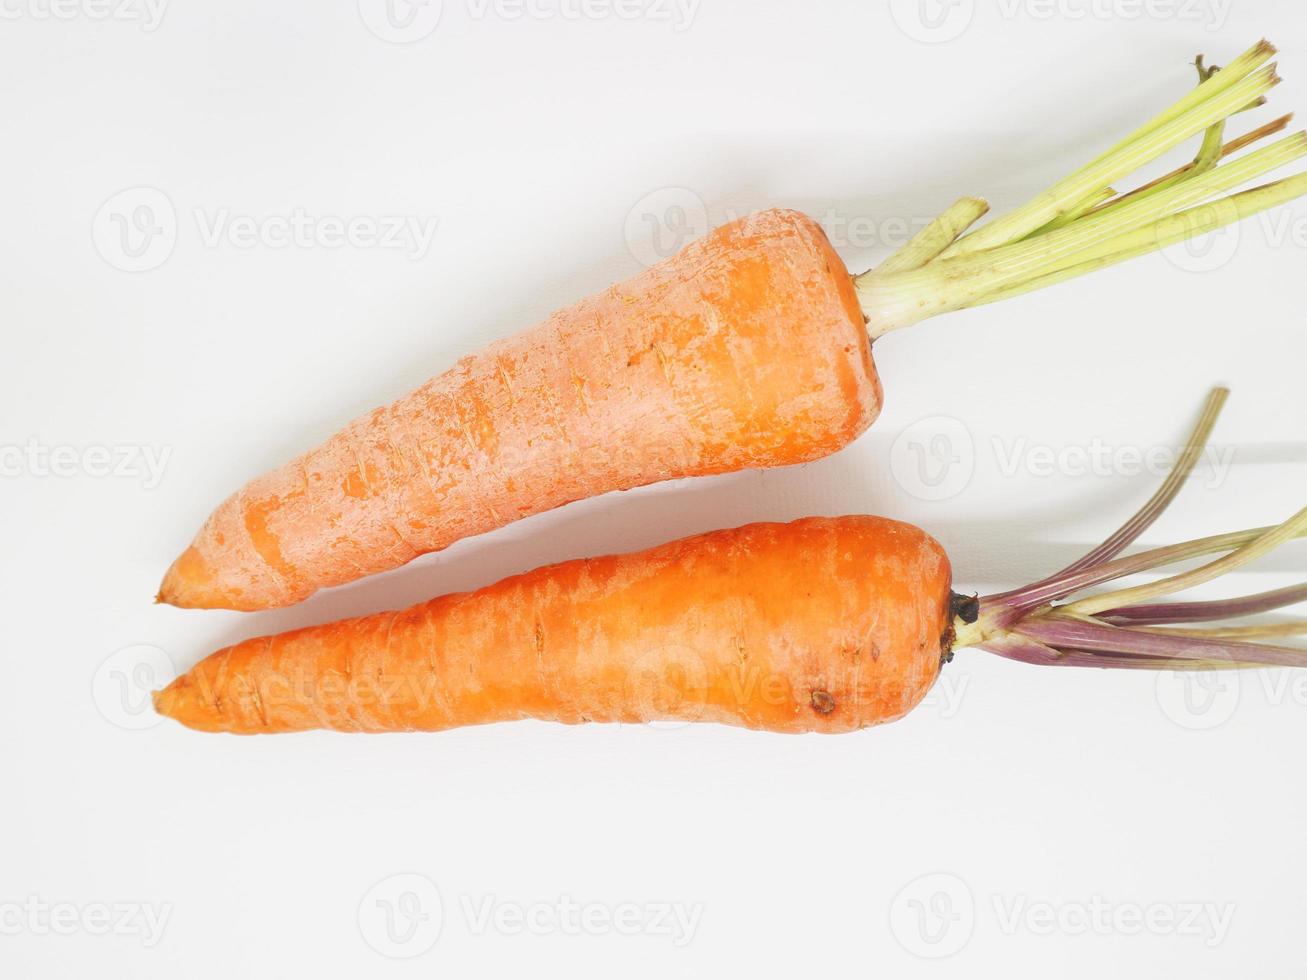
{"x": 1080, "y": 635}
{"x": 1160, "y": 613}
{"x": 1130, "y": 531}
{"x": 1039, "y": 655}
{"x": 1034, "y": 595}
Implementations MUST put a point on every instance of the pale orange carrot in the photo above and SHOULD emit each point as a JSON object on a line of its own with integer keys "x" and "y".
{"x": 823, "y": 625}
{"x": 750, "y": 348}
{"x": 746, "y": 350}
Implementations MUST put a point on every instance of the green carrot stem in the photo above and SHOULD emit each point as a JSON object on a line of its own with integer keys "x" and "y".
{"x": 1229, "y": 149}
{"x": 936, "y": 236}
{"x": 1089, "y": 205}
{"x": 907, "y": 298}
{"x": 1209, "y": 154}
{"x": 1243, "y": 81}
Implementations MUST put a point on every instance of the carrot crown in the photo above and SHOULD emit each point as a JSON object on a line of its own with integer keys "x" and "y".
{"x": 1045, "y": 623}
{"x": 1082, "y": 223}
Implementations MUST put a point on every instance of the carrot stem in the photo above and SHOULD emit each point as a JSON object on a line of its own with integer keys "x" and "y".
{"x": 1130, "y": 531}
{"x": 1229, "y": 149}
{"x": 1090, "y": 204}
{"x": 1209, "y": 154}
{"x": 1197, "y": 612}
{"x": 926, "y": 245}
{"x": 1080, "y": 225}
{"x": 1025, "y": 650}
{"x": 1144, "y": 518}
{"x": 1243, "y": 81}
{"x": 1044, "y": 624}
{"x": 1296, "y": 627}
{"x": 1063, "y": 633}
{"x": 1144, "y": 561}
{"x": 1148, "y": 224}
{"x": 1260, "y": 546}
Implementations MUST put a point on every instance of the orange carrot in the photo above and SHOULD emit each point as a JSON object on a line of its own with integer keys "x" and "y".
{"x": 750, "y": 348}
{"x": 822, "y": 625}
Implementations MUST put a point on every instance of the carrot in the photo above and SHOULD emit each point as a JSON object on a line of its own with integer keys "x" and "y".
{"x": 743, "y": 351}
{"x": 750, "y": 348}
{"x": 822, "y": 625}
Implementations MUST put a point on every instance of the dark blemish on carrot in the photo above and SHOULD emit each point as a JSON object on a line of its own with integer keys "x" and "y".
{"x": 822, "y": 702}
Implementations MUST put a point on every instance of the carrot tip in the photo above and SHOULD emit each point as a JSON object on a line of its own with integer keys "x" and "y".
{"x": 171, "y": 701}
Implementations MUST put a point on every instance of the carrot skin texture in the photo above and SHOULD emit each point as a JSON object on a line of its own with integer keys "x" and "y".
{"x": 821, "y": 625}
{"x": 745, "y": 350}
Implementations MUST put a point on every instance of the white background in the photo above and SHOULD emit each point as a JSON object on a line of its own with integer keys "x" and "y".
{"x": 535, "y": 142}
